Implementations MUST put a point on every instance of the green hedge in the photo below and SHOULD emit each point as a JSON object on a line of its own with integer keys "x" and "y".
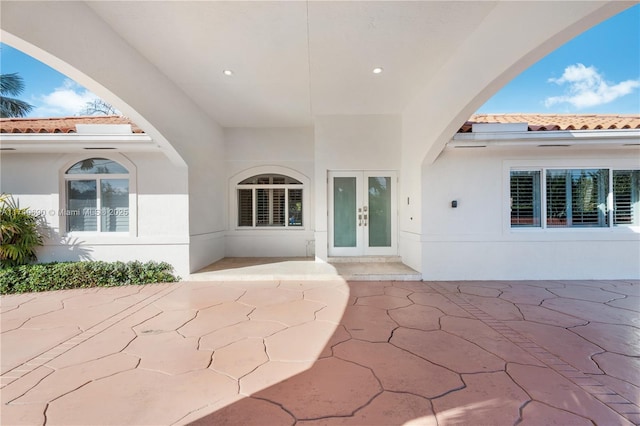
{"x": 68, "y": 275}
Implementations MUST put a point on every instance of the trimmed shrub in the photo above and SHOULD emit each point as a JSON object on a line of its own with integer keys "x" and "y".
{"x": 20, "y": 233}
{"x": 68, "y": 275}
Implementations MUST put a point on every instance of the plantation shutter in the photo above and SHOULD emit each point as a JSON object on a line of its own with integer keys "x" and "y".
{"x": 82, "y": 205}
{"x": 557, "y": 193}
{"x": 525, "y": 198}
{"x": 245, "y": 207}
{"x": 262, "y": 207}
{"x": 626, "y": 195}
{"x": 270, "y": 207}
{"x": 114, "y": 198}
{"x": 577, "y": 197}
{"x": 589, "y": 189}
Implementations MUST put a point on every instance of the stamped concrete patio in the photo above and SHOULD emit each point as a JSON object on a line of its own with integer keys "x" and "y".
{"x": 324, "y": 353}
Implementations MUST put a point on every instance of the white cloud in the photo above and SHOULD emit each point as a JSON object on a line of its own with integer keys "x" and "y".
{"x": 67, "y": 100}
{"x": 587, "y": 88}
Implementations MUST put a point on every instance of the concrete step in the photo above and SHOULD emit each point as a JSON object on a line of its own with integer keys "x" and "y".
{"x": 350, "y": 269}
{"x": 365, "y": 259}
{"x": 376, "y": 271}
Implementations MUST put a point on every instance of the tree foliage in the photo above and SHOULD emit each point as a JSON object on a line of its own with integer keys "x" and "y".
{"x": 99, "y": 107}
{"x": 12, "y": 85}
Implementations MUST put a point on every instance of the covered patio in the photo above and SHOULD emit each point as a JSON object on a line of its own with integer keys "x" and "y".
{"x": 241, "y": 99}
{"x": 324, "y": 352}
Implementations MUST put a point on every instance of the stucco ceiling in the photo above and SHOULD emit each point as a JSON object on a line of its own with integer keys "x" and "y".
{"x": 293, "y": 60}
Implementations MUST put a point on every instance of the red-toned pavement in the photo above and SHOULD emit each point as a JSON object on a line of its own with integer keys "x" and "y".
{"x": 324, "y": 353}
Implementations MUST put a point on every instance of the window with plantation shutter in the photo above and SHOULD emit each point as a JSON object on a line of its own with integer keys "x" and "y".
{"x": 525, "y": 198}
{"x": 626, "y": 195}
{"x": 574, "y": 198}
{"x": 270, "y": 200}
{"x": 577, "y": 197}
{"x": 589, "y": 190}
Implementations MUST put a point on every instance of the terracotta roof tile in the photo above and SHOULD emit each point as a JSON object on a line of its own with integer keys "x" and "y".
{"x": 555, "y": 122}
{"x": 60, "y": 124}
{"x": 536, "y": 122}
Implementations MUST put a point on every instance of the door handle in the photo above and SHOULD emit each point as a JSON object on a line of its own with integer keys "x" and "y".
{"x": 365, "y": 220}
{"x": 360, "y": 220}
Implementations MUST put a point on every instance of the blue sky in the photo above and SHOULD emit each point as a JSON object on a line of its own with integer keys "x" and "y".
{"x": 597, "y": 72}
{"x": 610, "y": 57}
{"x": 51, "y": 93}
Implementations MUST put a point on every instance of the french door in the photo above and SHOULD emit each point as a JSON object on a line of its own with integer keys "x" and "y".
{"x": 362, "y": 213}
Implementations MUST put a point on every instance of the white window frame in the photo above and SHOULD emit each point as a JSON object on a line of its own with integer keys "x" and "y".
{"x": 270, "y": 187}
{"x": 234, "y": 186}
{"x": 131, "y": 176}
{"x": 543, "y": 166}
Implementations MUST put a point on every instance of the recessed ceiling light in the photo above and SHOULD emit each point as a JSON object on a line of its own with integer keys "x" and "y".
{"x": 377, "y": 70}
{"x": 228, "y": 73}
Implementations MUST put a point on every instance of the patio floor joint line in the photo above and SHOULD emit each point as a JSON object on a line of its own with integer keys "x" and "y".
{"x": 619, "y": 404}
{"x": 42, "y": 359}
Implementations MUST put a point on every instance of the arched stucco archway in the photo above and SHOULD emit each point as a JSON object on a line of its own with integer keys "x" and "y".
{"x": 107, "y": 49}
{"x": 86, "y": 41}
{"x": 507, "y": 42}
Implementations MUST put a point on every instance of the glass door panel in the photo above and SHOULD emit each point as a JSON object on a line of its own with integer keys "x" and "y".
{"x": 379, "y": 211}
{"x": 344, "y": 212}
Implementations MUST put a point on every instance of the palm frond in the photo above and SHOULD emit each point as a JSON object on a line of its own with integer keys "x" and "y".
{"x": 11, "y": 84}
{"x": 11, "y": 107}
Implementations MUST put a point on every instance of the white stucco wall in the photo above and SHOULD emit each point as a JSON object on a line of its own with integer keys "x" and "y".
{"x": 345, "y": 142}
{"x": 287, "y": 151}
{"x": 475, "y": 241}
{"x": 159, "y": 228}
{"x": 207, "y": 214}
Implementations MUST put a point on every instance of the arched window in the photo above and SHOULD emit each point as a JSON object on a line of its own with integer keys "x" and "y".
{"x": 270, "y": 200}
{"x": 97, "y": 196}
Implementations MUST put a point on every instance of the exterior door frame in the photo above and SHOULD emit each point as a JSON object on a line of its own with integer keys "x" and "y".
{"x": 362, "y": 247}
